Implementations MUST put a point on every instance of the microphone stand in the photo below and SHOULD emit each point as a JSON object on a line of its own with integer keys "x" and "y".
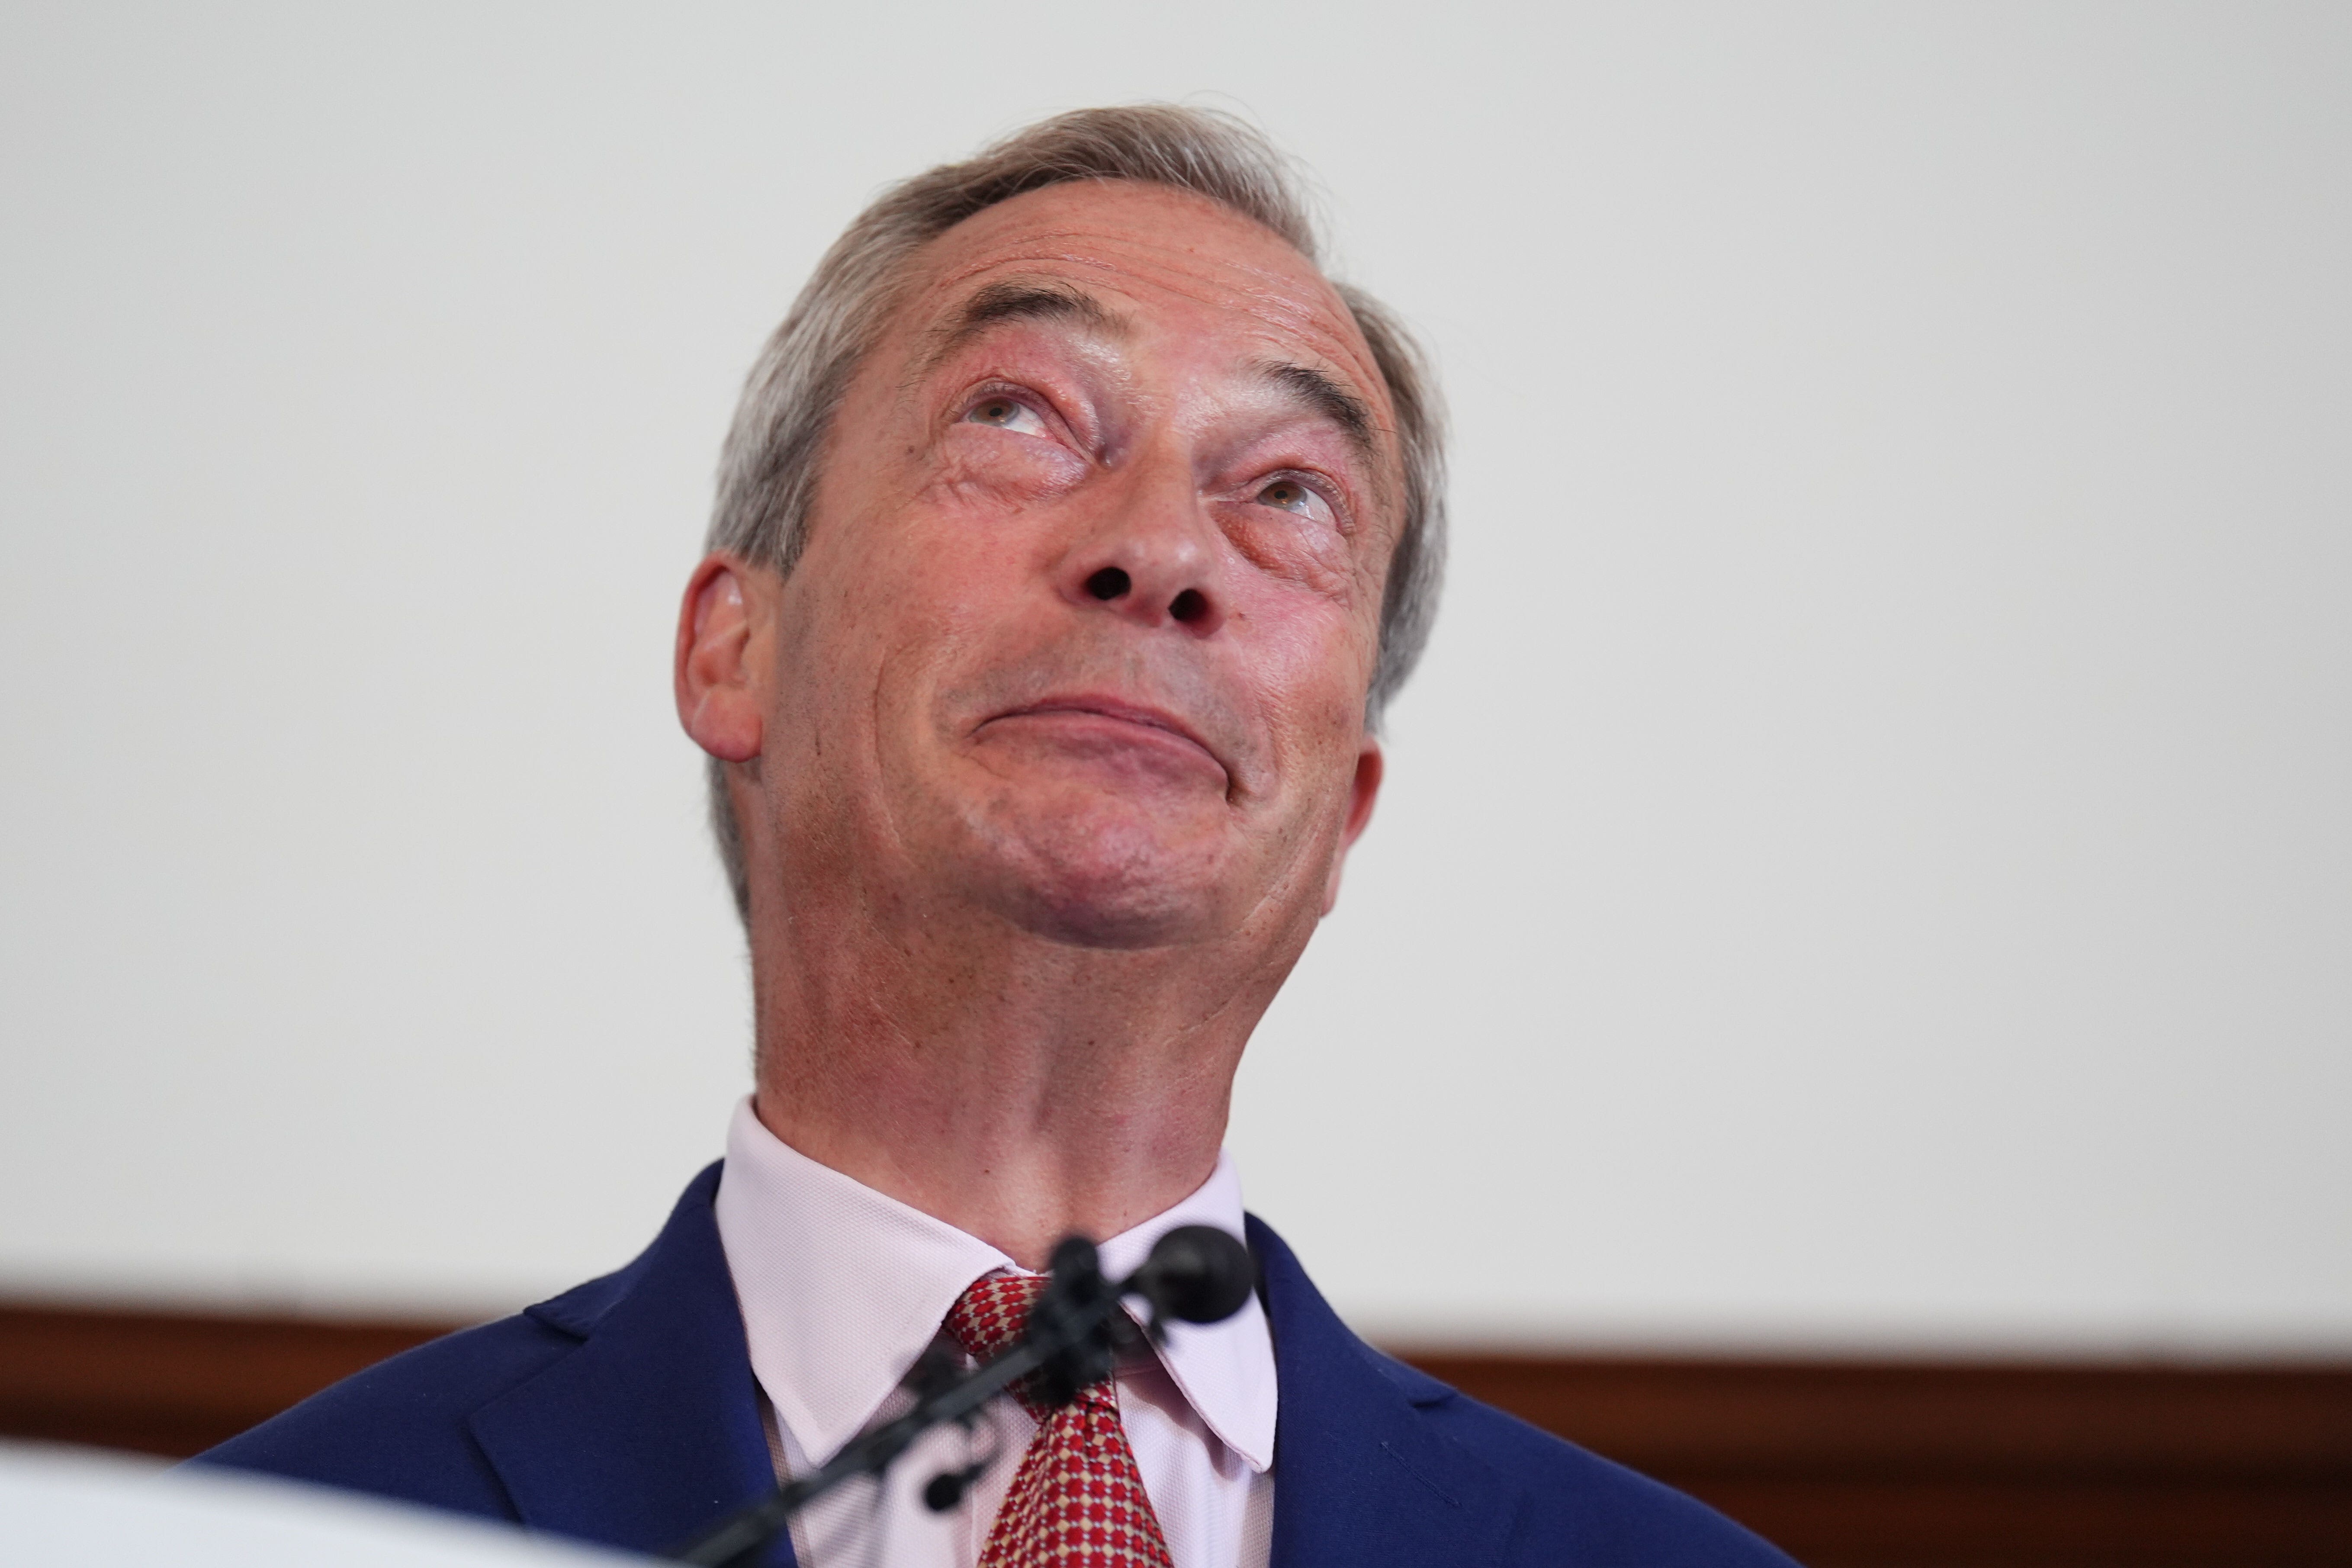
{"x": 1195, "y": 1274}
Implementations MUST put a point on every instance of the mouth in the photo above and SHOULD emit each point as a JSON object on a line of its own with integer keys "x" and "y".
{"x": 1116, "y": 721}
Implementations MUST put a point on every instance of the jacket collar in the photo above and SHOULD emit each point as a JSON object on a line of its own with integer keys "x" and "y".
{"x": 1361, "y": 1476}
{"x": 649, "y": 1432}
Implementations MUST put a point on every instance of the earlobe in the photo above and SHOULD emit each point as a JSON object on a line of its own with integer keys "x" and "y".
{"x": 1362, "y": 793}
{"x": 719, "y": 699}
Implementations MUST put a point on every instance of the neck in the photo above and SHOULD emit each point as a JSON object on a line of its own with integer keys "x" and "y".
{"x": 1019, "y": 1087}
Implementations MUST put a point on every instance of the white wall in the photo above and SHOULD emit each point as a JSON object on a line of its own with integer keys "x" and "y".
{"x": 1867, "y": 860}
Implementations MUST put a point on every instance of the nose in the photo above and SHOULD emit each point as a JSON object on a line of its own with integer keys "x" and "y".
{"x": 1152, "y": 557}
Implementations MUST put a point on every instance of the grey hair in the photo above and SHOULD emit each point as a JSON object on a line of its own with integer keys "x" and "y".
{"x": 768, "y": 470}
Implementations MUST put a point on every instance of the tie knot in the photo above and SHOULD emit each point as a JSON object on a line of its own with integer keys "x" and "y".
{"x": 988, "y": 1318}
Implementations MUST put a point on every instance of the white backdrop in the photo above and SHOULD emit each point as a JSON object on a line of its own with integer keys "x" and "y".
{"x": 1866, "y": 863}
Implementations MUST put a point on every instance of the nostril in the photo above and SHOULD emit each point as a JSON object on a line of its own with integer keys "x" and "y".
{"x": 1188, "y": 606}
{"x": 1109, "y": 582}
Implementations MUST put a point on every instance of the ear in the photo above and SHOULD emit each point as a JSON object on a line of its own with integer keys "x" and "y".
{"x": 1361, "y": 793}
{"x": 720, "y": 633}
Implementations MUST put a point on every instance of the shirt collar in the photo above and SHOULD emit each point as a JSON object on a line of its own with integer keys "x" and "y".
{"x": 842, "y": 1288}
{"x": 1225, "y": 1370}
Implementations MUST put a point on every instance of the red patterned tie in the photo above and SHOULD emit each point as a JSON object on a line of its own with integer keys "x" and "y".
{"x": 1078, "y": 1499}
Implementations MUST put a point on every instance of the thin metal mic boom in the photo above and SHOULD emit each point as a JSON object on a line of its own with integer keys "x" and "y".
{"x": 1196, "y": 1274}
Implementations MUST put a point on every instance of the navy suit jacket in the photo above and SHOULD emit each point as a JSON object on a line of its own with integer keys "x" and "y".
{"x": 623, "y": 1412}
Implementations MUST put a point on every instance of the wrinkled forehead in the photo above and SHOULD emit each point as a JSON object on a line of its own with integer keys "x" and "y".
{"x": 1163, "y": 259}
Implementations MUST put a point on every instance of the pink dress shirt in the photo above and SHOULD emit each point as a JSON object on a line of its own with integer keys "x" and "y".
{"x": 842, "y": 1288}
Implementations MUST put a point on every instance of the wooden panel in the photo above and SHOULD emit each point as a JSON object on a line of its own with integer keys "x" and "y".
{"x": 1859, "y": 1463}
{"x": 171, "y": 1384}
{"x": 1847, "y": 1464}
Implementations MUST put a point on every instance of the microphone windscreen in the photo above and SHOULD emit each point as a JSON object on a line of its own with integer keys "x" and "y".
{"x": 1198, "y": 1274}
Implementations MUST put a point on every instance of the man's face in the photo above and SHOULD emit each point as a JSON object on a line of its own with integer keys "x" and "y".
{"x": 1091, "y": 592}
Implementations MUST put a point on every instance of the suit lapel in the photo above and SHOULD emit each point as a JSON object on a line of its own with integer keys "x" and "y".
{"x": 1361, "y": 1477}
{"x": 650, "y": 1431}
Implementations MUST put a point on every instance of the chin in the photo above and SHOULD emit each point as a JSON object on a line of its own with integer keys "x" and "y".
{"x": 1107, "y": 878}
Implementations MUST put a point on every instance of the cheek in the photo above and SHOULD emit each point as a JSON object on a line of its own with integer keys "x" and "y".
{"x": 1301, "y": 558}
{"x": 923, "y": 555}
{"x": 878, "y": 592}
{"x": 931, "y": 600}
{"x": 1310, "y": 664}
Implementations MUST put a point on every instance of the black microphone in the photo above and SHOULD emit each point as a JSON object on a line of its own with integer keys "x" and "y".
{"x": 1196, "y": 1274}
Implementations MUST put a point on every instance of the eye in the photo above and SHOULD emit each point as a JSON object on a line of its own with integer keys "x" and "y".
{"x": 1292, "y": 496}
{"x": 1006, "y": 412}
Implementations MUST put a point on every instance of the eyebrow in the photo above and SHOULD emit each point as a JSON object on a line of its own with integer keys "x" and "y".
{"x": 1017, "y": 299}
{"x": 1317, "y": 392}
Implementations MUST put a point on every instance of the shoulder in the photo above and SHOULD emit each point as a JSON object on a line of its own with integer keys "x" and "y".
{"x": 398, "y": 1429}
{"x": 1578, "y": 1506}
{"x": 1494, "y": 1489}
{"x": 402, "y": 1428}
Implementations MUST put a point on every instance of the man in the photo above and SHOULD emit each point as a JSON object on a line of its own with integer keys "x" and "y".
{"x": 1071, "y": 533}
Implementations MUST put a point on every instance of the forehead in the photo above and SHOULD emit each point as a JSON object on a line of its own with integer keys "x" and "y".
{"x": 1163, "y": 258}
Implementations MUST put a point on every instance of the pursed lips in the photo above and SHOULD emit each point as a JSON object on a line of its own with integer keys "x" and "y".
{"x": 1117, "y": 711}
